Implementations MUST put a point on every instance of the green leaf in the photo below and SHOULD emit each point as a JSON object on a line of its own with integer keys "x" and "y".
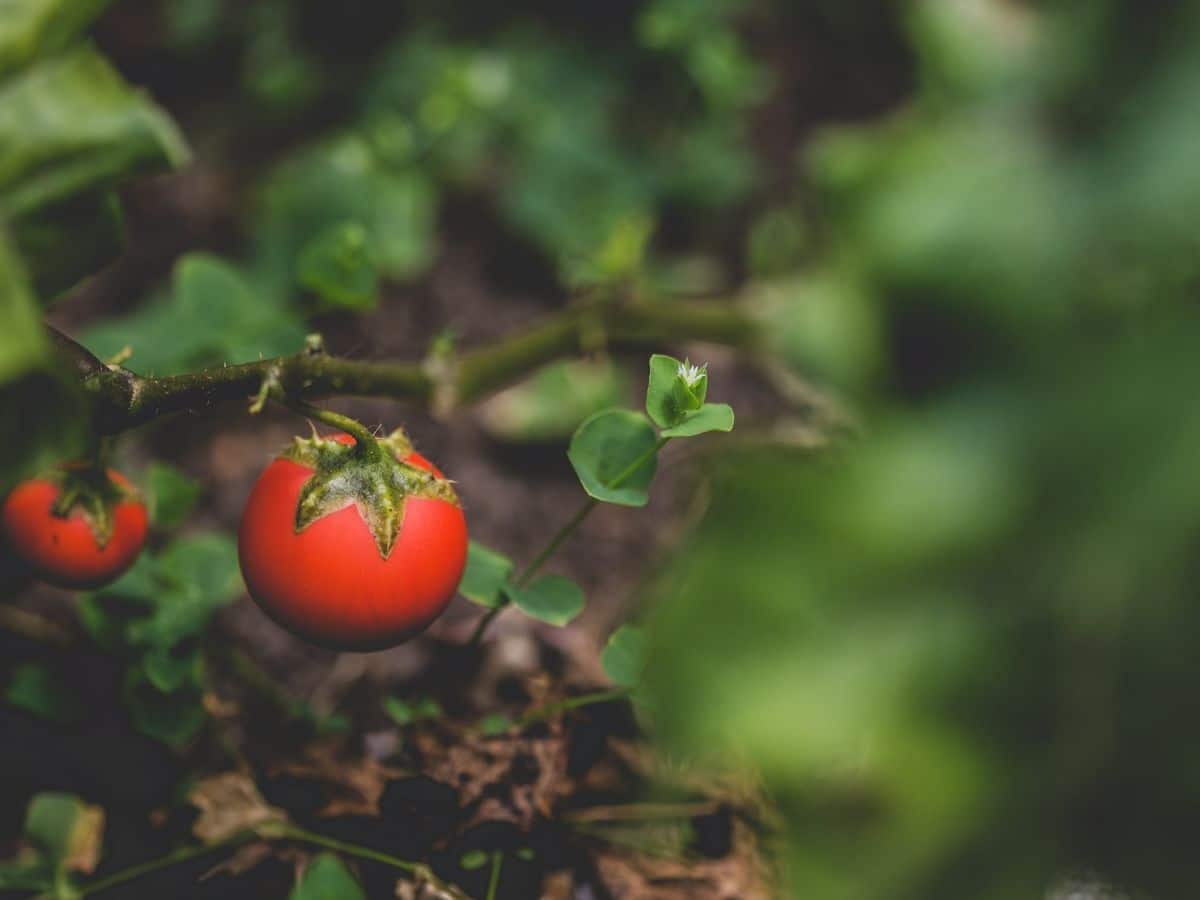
{"x": 212, "y": 314}
{"x": 171, "y": 494}
{"x": 197, "y": 575}
{"x": 552, "y": 599}
{"x": 624, "y": 656}
{"x": 403, "y": 713}
{"x": 173, "y": 717}
{"x": 30, "y": 29}
{"x": 338, "y": 266}
{"x": 62, "y": 244}
{"x": 495, "y": 724}
{"x": 59, "y": 825}
{"x": 614, "y": 455}
{"x": 39, "y": 689}
{"x": 71, "y": 124}
{"x": 25, "y": 875}
{"x": 170, "y": 668}
{"x": 473, "y": 859}
{"x": 485, "y": 576}
{"x": 327, "y": 878}
{"x": 709, "y": 417}
{"x": 34, "y": 389}
{"x": 662, "y": 402}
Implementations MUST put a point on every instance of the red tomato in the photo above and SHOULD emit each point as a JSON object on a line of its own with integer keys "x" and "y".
{"x": 64, "y": 550}
{"x": 329, "y": 583}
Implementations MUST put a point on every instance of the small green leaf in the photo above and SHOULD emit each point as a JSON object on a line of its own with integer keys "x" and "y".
{"x": 403, "y": 713}
{"x": 66, "y": 830}
{"x": 525, "y": 854}
{"x": 663, "y": 401}
{"x": 173, "y": 718}
{"x": 624, "y": 656}
{"x": 494, "y": 724}
{"x": 169, "y": 668}
{"x": 473, "y": 859}
{"x": 40, "y": 690}
{"x": 327, "y": 878}
{"x": 487, "y": 571}
{"x": 614, "y": 455}
{"x": 171, "y": 494}
{"x": 552, "y": 599}
{"x": 709, "y": 417}
{"x": 339, "y": 267}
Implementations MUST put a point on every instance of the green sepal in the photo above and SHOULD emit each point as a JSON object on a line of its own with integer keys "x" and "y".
{"x": 90, "y": 490}
{"x": 374, "y": 477}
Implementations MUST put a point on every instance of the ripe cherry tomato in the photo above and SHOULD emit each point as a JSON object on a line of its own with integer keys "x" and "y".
{"x": 329, "y": 582}
{"x": 66, "y": 550}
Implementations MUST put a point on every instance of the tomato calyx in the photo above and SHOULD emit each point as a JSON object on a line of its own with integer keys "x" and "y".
{"x": 373, "y": 475}
{"x": 90, "y": 490}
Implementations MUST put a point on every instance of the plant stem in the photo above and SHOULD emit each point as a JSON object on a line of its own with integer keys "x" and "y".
{"x": 121, "y": 399}
{"x": 183, "y": 854}
{"x": 362, "y": 435}
{"x": 568, "y": 528}
{"x": 553, "y": 709}
{"x": 494, "y": 878}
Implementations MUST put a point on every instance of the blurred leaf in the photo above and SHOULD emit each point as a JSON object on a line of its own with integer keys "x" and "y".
{"x": 171, "y": 493}
{"x": 494, "y": 724}
{"x": 613, "y": 454}
{"x": 33, "y": 388}
{"x": 327, "y": 878}
{"x": 197, "y": 575}
{"x": 552, "y": 599}
{"x": 173, "y": 717}
{"x": 403, "y": 713}
{"x": 211, "y": 315}
{"x": 171, "y": 667}
{"x": 64, "y": 243}
{"x": 341, "y": 181}
{"x": 40, "y": 689}
{"x": 68, "y": 831}
{"x": 473, "y": 859}
{"x": 709, "y": 417}
{"x": 70, "y": 124}
{"x": 337, "y": 266}
{"x": 485, "y": 575}
{"x": 229, "y": 804}
{"x": 555, "y": 400}
{"x": 34, "y": 28}
{"x": 624, "y": 656}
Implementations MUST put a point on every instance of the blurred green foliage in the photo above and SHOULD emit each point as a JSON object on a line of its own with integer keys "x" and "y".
{"x": 961, "y": 648}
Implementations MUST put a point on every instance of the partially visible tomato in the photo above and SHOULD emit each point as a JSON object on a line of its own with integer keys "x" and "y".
{"x": 72, "y": 550}
{"x": 329, "y": 582}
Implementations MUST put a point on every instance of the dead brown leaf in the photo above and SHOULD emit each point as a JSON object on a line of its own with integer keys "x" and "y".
{"x": 353, "y": 784}
{"x": 741, "y": 875}
{"x": 229, "y": 803}
{"x": 87, "y": 840}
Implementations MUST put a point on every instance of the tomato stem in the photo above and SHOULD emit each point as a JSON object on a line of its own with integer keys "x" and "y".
{"x": 494, "y": 877}
{"x": 364, "y": 440}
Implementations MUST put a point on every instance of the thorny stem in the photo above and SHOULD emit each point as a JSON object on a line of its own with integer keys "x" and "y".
{"x": 122, "y": 399}
{"x": 568, "y": 528}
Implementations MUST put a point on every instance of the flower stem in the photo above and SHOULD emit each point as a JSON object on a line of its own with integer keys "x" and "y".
{"x": 494, "y": 878}
{"x": 568, "y": 528}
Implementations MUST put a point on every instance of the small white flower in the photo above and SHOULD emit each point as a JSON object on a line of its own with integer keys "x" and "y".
{"x": 692, "y": 373}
